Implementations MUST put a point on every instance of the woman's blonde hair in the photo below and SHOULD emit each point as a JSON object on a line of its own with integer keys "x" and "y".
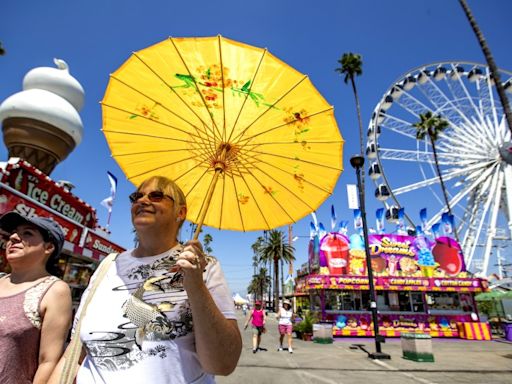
{"x": 170, "y": 188}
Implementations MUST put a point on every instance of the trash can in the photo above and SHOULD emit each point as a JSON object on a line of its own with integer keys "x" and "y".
{"x": 417, "y": 347}
{"x": 508, "y": 331}
{"x": 322, "y": 333}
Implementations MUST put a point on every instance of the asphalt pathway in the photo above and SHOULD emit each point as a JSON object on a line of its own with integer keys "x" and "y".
{"x": 456, "y": 361}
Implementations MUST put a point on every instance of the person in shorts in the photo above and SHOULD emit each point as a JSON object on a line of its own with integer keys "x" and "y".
{"x": 285, "y": 325}
{"x": 257, "y": 318}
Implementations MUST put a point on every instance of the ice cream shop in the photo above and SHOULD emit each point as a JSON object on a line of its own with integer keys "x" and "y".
{"x": 421, "y": 285}
{"x": 41, "y": 126}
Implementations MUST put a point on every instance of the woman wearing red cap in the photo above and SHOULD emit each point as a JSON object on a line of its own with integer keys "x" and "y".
{"x": 257, "y": 318}
{"x": 35, "y": 307}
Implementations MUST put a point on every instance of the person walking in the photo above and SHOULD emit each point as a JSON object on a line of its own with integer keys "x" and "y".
{"x": 163, "y": 313}
{"x": 257, "y": 318}
{"x": 35, "y": 306}
{"x": 285, "y": 324}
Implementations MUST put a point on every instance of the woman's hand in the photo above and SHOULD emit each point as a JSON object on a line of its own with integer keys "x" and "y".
{"x": 192, "y": 263}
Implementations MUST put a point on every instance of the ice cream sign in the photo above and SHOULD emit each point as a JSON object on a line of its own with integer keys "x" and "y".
{"x": 31, "y": 182}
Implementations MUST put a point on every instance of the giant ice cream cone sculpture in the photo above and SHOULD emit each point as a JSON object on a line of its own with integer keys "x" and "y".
{"x": 41, "y": 124}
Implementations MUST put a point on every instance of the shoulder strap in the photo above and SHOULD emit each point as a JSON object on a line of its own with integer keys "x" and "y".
{"x": 75, "y": 347}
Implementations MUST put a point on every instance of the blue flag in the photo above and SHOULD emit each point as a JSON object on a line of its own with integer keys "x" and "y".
{"x": 379, "y": 214}
{"x": 333, "y": 218}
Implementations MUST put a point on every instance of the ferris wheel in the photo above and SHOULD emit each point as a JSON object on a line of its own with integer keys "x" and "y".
{"x": 474, "y": 154}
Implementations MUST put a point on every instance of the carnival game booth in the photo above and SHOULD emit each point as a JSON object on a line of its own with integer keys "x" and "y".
{"x": 25, "y": 189}
{"x": 421, "y": 286}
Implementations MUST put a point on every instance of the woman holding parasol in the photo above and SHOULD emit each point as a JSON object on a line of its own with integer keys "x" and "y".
{"x": 163, "y": 312}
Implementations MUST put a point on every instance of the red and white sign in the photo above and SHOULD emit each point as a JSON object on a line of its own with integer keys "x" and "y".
{"x": 26, "y": 190}
{"x": 100, "y": 245}
{"x": 31, "y": 182}
{"x": 12, "y": 202}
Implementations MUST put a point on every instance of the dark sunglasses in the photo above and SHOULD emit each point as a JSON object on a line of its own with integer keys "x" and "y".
{"x": 154, "y": 196}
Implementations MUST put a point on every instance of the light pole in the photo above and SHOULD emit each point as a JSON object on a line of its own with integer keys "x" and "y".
{"x": 357, "y": 162}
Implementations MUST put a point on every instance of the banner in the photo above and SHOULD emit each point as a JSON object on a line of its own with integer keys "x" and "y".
{"x": 358, "y": 221}
{"x": 390, "y": 283}
{"x": 400, "y": 226}
{"x": 379, "y": 224}
{"x": 447, "y": 223}
{"x": 333, "y": 218}
{"x": 423, "y": 219}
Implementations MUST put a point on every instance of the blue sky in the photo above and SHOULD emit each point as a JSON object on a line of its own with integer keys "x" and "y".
{"x": 95, "y": 37}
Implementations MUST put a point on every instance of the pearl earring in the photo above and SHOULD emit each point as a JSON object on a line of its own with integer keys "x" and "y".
{"x": 178, "y": 219}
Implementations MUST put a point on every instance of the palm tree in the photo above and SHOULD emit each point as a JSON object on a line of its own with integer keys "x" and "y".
{"x": 259, "y": 284}
{"x": 352, "y": 66}
{"x": 275, "y": 249}
{"x": 207, "y": 240}
{"x": 255, "y": 250}
{"x": 431, "y": 126}
{"x": 270, "y": 290}
{"x": 490, "y": 62}
{"x": 192, "y": 228}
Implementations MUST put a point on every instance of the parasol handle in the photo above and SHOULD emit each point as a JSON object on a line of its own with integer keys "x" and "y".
{"x": 206, "y": 204}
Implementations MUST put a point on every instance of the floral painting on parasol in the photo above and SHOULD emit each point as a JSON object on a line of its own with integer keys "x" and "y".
{"x": 249, "y": 139}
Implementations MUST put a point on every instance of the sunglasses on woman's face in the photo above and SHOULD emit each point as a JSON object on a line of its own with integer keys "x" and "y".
{"x": 154, "y": 196}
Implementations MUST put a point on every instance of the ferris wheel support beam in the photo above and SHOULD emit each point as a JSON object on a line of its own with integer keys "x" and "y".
{"x": 412, "y": 105}
{"x": 440, "y": 100}
{"x": 434, "y": 180}
{"x": 399, "y": 126}
{"x": 465, "y": 135}
{"x": 484, "y": 89}
{"x": 492, "y": 225}
{"x": 455, "y": 199}
{"x": 487, "y": 191}
{"x": 491, "y": 99}
{"x": 414, "y": 156}
{"x": 503, "y": 130}
{"x": 508, "y": 196}
{"x": 484, "y": 199}
{"x": 460, "y": 95}
{"x": 473, "y": 217}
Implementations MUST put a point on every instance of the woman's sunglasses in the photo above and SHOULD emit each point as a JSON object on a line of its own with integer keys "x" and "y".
{"x": 154, "y": 196}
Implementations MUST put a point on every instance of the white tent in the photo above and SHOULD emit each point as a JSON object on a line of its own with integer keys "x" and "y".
{"x": 239, "y": 299}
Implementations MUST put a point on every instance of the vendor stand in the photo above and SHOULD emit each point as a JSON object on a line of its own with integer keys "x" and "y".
{"x": 421, "y": 286}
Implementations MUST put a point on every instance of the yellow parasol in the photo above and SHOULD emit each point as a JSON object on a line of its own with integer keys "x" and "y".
{"x": 250, "y": 141}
